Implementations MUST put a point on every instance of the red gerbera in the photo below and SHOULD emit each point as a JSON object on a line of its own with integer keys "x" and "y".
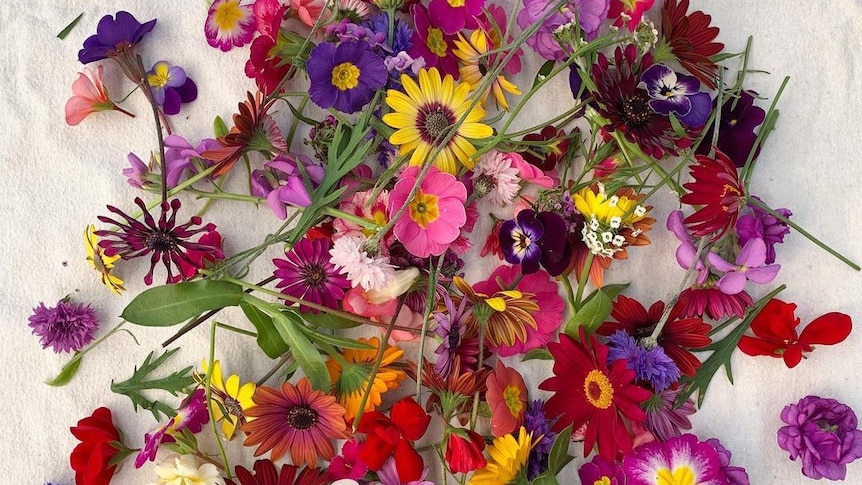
{"x": 689, "y": 38}
{"x": 677, "y": 337}
{"x": 775, "y": 327}
{"x": 388, "y": 436}
{"x": 718, "y": 189}
{"x": 587, "y": 391}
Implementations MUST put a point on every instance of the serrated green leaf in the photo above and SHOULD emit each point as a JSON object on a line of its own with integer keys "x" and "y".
{"x": 63, "y": 33}
{"x": 328, "y": 320}
{"x": 174, "y": 383}
{"x": 67, "y": 372}
{"x": 305, "y": 354}
{"x": 540, "y": 354}
{"x": 168, "y": 305}
{"x": 559, "y": 455}
{"x": 591, "y": 314}
{"x": 268, "y": 338}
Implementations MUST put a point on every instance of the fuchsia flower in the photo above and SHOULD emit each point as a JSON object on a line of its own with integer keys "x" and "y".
{"x": 89, "y": 96}
{"x": 633, "y": 10}
{"x": 431, "y": 43}
{"x": 192, "y": 416}
{"x": 282, "y": 184}
{"x": 659, "y": 463}
{"x": 749, "y": 265}
{"x": 434, "y": 216}
{"x": 454, "y": 15}
{"x": 229, "y": 24}
{"x": 180, "y": 157}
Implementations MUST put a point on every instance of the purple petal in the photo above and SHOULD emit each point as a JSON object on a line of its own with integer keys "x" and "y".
{"x": 719, "y": 263}
{"x": 763, "y": 274}
{"x": 275, "y": 205}
{"x": 188, "y": 91}
{"x": 679, "y": 105}
{"x": 176, "y": 76}
{"x": 171, "y": 106}
{"x": 688, "y": 85}
{"x": 753, "y": 254}
{"x": 732, "y": 283}
{"x": 294, "y": 193}
{"x": 701, "y": 107}
{"x": 654, "y": 78}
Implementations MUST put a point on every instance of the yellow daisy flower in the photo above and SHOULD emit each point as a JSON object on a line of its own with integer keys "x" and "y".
{"x": 228, "y": 396}
{"x": 350, "y": 381}
{"x": 101, "y": 262}
{"x": 425, "y": 113}
{"x": 474, "y": 66}
{"x": 508, "y": 456}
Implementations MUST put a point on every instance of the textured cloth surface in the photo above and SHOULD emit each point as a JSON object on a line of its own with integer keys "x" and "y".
{"x": 55, "y": 179}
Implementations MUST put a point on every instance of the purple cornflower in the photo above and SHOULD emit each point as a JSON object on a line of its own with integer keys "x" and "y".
{"x": 67, "y": 327}
{"x": 180, "y": 157}
{"x": 736, "y": 136}
{"x": 535, "y": 238}
{"x": 651, "y": 365}
{"x": 344, "y": 77}
{"x": 735, "y": 475}
{"x": 823, "y": 432}
{"x": 165, "y": 240}
{"x": 402, "y": 34}
{"x": 308, "y": 274}
{"x": 115, "y": 37}
{"x": 192, "y": 415}
{"x": 538, "y": 424}
{"x": 750, "y": 264}
{"x": 451, "y": 327}
{"x": 676, "y": 93}
{"x": 171, "y": 87}
{"x": 603, "y": 471}
{"x": 281, "y": 182}
{"x": 764, "y": 226}
{"x": 664, "y": 420}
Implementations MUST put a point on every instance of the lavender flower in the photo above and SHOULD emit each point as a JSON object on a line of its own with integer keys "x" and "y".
{"x": 180, "y": 156}
{"x": 764, "y": 226}
{"x": 735, "y": 475}
{"x": 282, "y": 184}
{"x": 823, "y": 432}
{"x": 67, "y": 327}
{"x": 114, "y": 35}
{"x": 750, "y": 264}
{"x": 664, "y": 420}
{"x": 538, "y": 424}
{"x": 651, "y": 365}
{"x": 137, "y": 172}
{"x": 451, "y": 326}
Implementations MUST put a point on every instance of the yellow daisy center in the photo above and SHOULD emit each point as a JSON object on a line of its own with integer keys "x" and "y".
{"x": 345, "y": 76}
{"x": 227, "y": 15}
{"x": 600, "y": 391}
{"x": 435, "y": 42}
{"x": 423, "y": 209}
{"x": 512, "y": 396}
{"x": 681, "y": 475}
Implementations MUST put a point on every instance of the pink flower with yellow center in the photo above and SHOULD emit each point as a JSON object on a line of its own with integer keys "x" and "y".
{"x": 507, "y": 398}
{"x": 434, "y": 215}
{"x": 229, "y": 24}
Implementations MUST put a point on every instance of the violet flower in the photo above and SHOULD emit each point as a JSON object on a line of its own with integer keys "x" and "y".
{"x": 735, "y": 475}
{"x": 114, "y": 35}
{"x": 749, "y": 265}
{"x": 171, "y": 87}
{"x": 764, "y": 226}
{"x": 676, "y": 93}
{"x": 66, "y": 327}
{"x": 535, "y": 238}
{"x": 664, "y": 419}
{"x": 736, "y": 136}
{"x": 538, "y": 424}
{"x": 823, "y": 433}
{"x": 686, "y": 253}
{"x": 180, "y": 156}
{"x": 451, "y": 327}
{"x": 346, "y": 76}
{"x": 650, "y": 365}
{"x": 192, "y": 415}
{"x": 136, "y": 173}
{"x": 281, "y": 182}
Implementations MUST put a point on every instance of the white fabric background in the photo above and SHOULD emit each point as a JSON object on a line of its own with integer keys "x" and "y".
{"x": 56, "y": 179}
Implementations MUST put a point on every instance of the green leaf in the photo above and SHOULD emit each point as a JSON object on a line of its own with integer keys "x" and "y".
{"x": 168, "y": 305}
{"x": 541, "y": 354}
{"x": 174, "y": 383}
{"x": 545, "y": 480}
{"x": 219, "y": 127}
{"x": 591, "y": 314}
{"x": 612, "y": 291}
{"x": 328, "y": 320}
{"x": 268, "y": 338}
{"x": 543, "y": 72}
{"x": 67, "y": 372}
{"x": 305, "y": 354}
{"x": 63, "y": 33}
{"x": 677, "y": 127}
{"x": 325, "y": 338}
{"x": 559, "y": 455}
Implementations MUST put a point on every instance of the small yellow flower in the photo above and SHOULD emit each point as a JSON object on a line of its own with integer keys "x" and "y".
{"x": 508, "y": 456}
{"x": 101, "y": 262}
{"x": 228, "y": 396}
{"x": 475, "y": 63}
{"x": 349, "y": 382}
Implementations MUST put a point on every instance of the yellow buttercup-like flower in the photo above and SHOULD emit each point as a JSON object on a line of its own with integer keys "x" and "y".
{"x": 101, "y": 262}
{"x": 228, "y": 397}
{"x": 424, "y": 114}
{"x": 508, "y": 456}
{"x": 475, "y": 63}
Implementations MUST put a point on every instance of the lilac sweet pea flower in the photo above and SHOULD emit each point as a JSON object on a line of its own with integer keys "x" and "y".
{"x": 676, "y": 93}
{"x": 686, "y": 253}
{"x": 281, "y": 183}
{"x": 735, "y": 475}
{"x": 137, "y": 172}
{"x": 180, "y": 155}
{"x": 749, "y": 265}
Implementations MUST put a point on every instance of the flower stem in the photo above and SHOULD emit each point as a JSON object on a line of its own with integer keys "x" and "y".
{"x": 278, "y": 365}
{"x": 208, "y": 381}
{"x": 375, "y": 368}
{"x": 121, "y": 110}
{"x": 582, "y": 281}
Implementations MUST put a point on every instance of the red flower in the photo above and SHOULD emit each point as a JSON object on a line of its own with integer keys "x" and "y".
{"x": 465, "y": 455}
{"x": 386, "y": 436}
{"x": 91, "y": 458}
{"x": 717, "y": 188}
{"x": 690, "y": 39}
{"x": 775, "y": 327}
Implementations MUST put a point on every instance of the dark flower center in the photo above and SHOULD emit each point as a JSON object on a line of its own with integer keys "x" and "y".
{"x": 454, "y": 336}
{"x": 314, "y": 275}
{"x": 232, "y": 407}
{"x": 301, "y": 417}
{"x": 160, "y": 241}
{"x": 483, "y": 66}
{"x": 635, "y": 111}
{"x": 434, "y": 121}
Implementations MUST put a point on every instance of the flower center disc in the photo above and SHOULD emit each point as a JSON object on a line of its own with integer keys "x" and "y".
{"x": 423, "y": 209}
{"x": 161, "y": 242}
{"x": 345, "y": 76}
{"x": 435, "y": 42}
{"x": 635, "y": 111}
{"x": 598, "y": 389}
{"x": 681, "y": 475}
{"x": 301, "y": 417}
{"x": 434, "y": 121}
{"x": 227, "y": 15}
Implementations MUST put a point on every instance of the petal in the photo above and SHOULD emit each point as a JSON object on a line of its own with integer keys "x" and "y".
{"x": 828, "y": 329}
{"x": 756, "y": 346}
{"x": 732, "y": 283}
{"x": 763, "y": 274}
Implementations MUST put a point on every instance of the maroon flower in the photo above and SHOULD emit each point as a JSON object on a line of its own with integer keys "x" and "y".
{"x": 719, "y": 191}
{"x": 265, "y": 473}
{"x": 689, "y": 37}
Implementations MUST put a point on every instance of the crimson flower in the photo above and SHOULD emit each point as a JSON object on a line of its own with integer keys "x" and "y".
{"x": 689, "y": 37}
{"x": 266, "y": 473}
{"x": 775, "y": 328}
{"x": 91, "y": 458}
{"x": 388, "y": 436}
{"x": 465, "y": 455}
{"x": 718, "y": 189}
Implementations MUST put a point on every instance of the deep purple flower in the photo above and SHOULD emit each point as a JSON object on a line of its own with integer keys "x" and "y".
{"x": 676, "y": 93}
{"x": 308, "y": 274}
{"x": 67, "y": 327}
{"x": 402, "y": 34}
{"x": 736, "y": 136}
{"x": 603, "y": 471}
{"x": 180, "y": 157}
{"x": 761, "y": 225}
{"x": 165, "y": 240}
{"x": 650, "y": 365}
{"x": 281, "y": 182}
{"x": 344, "y": 77}
{"x": 749, "y": 265}
{"x": 735, "y": 475}
{"x": 113, "y": 37}
{"x": 538, "y": 424}
{"x": 823, "y": 432}
{"x": 665, "y": 420}
{"x": 451, "y": 327}
{"x": 171, "y": 87}
{"x": 535, "y": 238}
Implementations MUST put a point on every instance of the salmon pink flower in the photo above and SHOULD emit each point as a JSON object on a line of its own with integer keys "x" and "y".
{"x": 89, "y": 96}
{"x": 309, "y": 11}
{"x": 229, "y": 24}
{"x": 507, "y": 398}
{"x": 434, "y": 216}
{"x": 776, "y": 336}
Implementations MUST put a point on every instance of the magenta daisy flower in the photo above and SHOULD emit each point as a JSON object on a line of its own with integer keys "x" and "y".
{"x": 229, "y": 24}
{"x": 67, "y": 327}
{"x": 164, "y": 240}
{"x": 308, "y": 274}
{"x": 344, "y": 77}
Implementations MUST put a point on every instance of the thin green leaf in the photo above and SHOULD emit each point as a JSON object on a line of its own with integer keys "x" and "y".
{"x": 341, "y": 342}
{"x": 611, "y": 291}
{"x": 268, "y": 338}
{"x": 543, "y": 72}
{"x": 168, "y": 305}
{"x": 545, "y": 480}
{"x": 559, "y": 455}
{"x": 67, "y": 372}
{"x": 174, "y": 383}
{"x": 327, "y": 320}
{"x": 305, "y": 354}
{"x": 63, "y": 33}
{"x": 540, "y": 354}
{"x": 591, "y": 314}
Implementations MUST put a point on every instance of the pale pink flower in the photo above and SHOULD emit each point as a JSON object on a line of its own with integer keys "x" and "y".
{"x": 89, "y": 96}
{"x": 497, "y": 169}
{"x": 308, "y": 10}
{"x": 350, "y": 257}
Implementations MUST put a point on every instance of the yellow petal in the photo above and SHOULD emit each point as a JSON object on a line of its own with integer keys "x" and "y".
{"x": 497, "y": 303}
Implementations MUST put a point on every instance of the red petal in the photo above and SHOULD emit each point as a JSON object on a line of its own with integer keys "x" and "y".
{"x": 756, "y": 346}
{"x": 776, "y": 321}
{"x": 410, "y": 418}
{"x": 408, "y": 462}
{"x": 828, "y": 329}
{"x": 793, "y": 355}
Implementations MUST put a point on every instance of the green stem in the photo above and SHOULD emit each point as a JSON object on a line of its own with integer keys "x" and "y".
{"x": 582, "y": 281}
{"x": 278, "y": 365}
{"x": 430, "y": 299}
{"x": 381, "y": 351}
{"x": 208, "y": 381}
{"x": 238, "y": 330}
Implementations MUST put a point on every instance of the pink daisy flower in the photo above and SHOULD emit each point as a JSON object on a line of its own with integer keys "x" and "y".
{"x": 229, "y": 24}
{"x": 434, "y": 216}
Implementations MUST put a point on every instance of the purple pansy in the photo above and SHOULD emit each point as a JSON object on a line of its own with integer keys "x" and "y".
{"x": 344, "y": 77}
{"x": 736, "y": 136}
{"x": 675, "y": 93}
{"x": 823, "y": 432}
{"x": 519, "y": 240}
{"x": 113, "y": 35}
{"x": 749, "y": 265}
{"x": 281, "y": 182}
{"x": 66, "y": 327}
{"x": 764, "y": 226}
{"x": 650, "y": 365}
{"x": 171, "y": 87}
{"x": 680, "y": 454}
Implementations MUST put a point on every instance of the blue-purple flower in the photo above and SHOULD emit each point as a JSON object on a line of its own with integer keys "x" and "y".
{"x": 171, "y": 87}
{"x": 114, "y": 35}
{"x": 679, "y": 94}
{"x": 736, "y": 136}
{"x": 535, "y": 238}
{"x": 538, "y": 424}
{"x": 762, "y": 225}
{"x": 650, "y": 365}
{"x": 344, "y": 77}
{"x": 750, "y": 264}
{"x": 66, "y": 327}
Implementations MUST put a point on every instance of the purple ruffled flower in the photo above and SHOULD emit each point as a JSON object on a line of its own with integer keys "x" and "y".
{"x": 679, "y": 94}
{"x": 750, "y": 264}
{"x": 113, "y": 35}
{"x": 591, "y": 14}
{"x": 538, "y": 424}
{"x": 344, "y": 77}
{"x": 450, "y": 328}
{"x": 736, "y": 136}
{"x": 67, "y": 327}
{"x": 281, "y": 182}
{"x": 823, "y": 432}
{"x": 735, "y": 475}
{"x": 761, "y": 225}
{"x": 650, "y": 365}
{"x": 347, "y": 31}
